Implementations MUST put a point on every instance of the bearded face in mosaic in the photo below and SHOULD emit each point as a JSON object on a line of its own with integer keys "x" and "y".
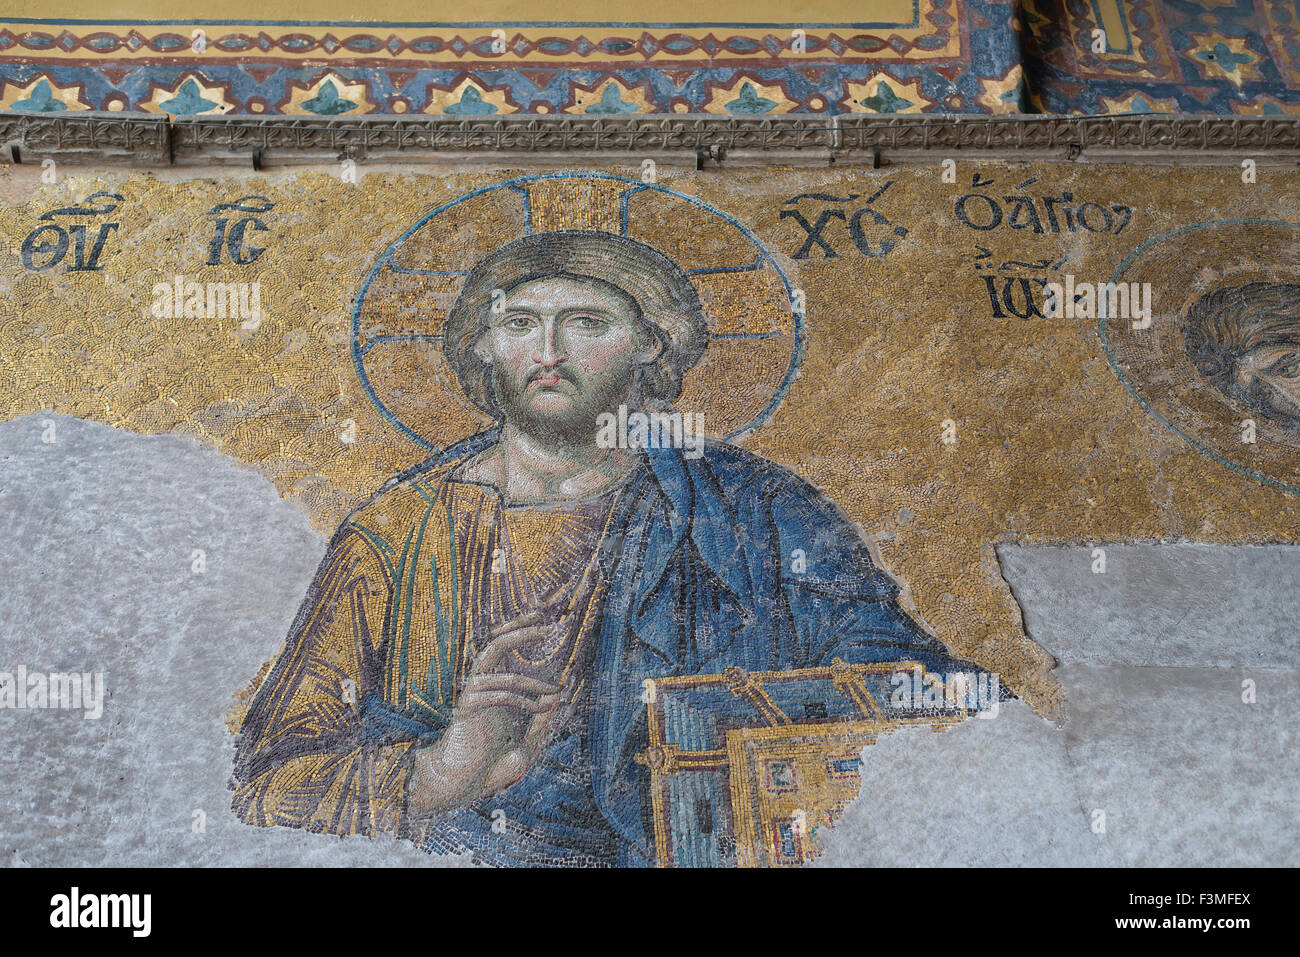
{"x": 561, "y": 352}
{"x": 552, "y": 330}
{"x": 1246, "y": 340}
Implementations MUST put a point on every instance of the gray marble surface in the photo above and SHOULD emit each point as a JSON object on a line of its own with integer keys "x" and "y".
{"x": 1179, "y": 605}
{"x": 100, "y": 530}
{"x": 1156, "y": 657}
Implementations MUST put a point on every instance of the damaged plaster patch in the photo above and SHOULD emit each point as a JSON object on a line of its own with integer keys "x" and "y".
{"x": 1180, "y": 605}
{"x": 986, "y": 793}
{"x": 1179, "y": 667}
{"x": 101, "y": 530}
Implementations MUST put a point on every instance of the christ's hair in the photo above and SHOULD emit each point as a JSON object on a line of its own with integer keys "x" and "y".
{"x": 666, "y": 303}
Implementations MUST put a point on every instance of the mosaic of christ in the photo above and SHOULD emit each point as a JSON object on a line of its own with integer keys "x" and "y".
{"x": 468, "y": 667}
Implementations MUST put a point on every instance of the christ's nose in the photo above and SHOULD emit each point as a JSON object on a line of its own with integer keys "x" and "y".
{"x": 548, "y": 352}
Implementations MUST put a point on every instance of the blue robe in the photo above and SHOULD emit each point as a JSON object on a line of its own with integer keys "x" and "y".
{"x": 699, "y": 557}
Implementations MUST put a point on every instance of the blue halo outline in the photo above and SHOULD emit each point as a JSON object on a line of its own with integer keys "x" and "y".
{"x": 386, "y": 259}
{"x": 1103, "y": 331}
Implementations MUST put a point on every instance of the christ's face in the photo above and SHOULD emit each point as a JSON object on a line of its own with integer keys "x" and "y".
{"x": 563, "y": 351}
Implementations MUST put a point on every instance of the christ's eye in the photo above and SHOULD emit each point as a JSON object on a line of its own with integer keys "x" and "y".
{"x": 1287, "y": 367}
{"x": 519, "y": 322}
{"x": 592, "y": 325}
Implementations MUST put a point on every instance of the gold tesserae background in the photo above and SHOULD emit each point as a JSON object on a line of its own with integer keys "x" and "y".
{"x": 902, "y": 346}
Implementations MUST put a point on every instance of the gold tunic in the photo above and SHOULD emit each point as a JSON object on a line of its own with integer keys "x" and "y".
{"x": 412, "y": 587}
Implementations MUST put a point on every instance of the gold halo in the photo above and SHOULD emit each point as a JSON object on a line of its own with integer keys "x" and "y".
{"x": 755, "y": 336}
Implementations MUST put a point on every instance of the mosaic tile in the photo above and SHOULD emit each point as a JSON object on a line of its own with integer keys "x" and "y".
{"x": 678, "y": 650}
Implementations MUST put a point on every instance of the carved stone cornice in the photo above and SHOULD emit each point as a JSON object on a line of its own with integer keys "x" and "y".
{"x": 704, "y": 139}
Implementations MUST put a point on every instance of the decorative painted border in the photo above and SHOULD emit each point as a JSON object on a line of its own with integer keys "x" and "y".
{"x": 370, "y": 50}
{"x": 1225, "y": 57}
{"x": 953, "y": 56}
{"x": 935, "y": 31}
{"x": 253, "y": 90}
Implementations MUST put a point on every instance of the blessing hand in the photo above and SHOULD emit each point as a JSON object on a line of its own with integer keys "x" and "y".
{"x": 501, "y": 723}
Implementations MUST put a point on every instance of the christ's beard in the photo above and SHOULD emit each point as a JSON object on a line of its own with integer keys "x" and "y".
{"x": 575, "y": 425}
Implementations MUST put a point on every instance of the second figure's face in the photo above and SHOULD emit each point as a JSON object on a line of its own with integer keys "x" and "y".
{"x": 1271, "y": 375}
{"x": 562, "y": 351}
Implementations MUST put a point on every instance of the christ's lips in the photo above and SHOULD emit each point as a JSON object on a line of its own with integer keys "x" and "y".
{"x": 548, "y": 377}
